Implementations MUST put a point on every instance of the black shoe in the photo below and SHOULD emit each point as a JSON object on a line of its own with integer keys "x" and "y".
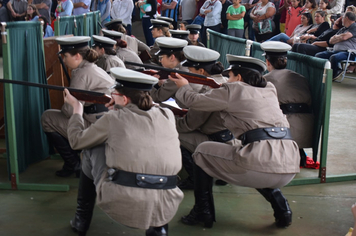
{"x": 281, "y": 208}
{"x": 284, "y": 220}
{"x": 67, "y": 171}
{"x": 194, "y": 218}
{"x": 220, "y": 182}
{"x": 157, "y": 231}
{"x": 77, "y": 228}
{"x": 186, "y": 184}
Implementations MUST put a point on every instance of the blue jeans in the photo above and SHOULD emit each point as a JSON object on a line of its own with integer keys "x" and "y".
{"x": 198, "y": 20}
{"x": 280, "y": 37}
{"x": 334, "y": 58}
{"x": 146, "y": 24}
{"x": 128, "y": 29}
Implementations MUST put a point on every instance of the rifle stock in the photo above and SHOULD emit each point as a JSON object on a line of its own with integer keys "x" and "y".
{"x": 191, "y": 77}
{"x": 82, "y": 95}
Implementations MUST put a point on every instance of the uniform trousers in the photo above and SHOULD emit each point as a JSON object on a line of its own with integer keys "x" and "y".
{"x": 94, "y": 162}
{"x": 55, "y": 121}
{"x": 218, "y": 161}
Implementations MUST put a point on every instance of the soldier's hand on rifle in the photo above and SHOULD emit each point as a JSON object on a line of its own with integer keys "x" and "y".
{"x": 180, "y": 81}
{"x": 110, "y": 105}
{"x": 77, "y": 106}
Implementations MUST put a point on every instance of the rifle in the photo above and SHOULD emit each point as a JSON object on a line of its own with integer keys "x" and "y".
{"x": 64, "y": 67}
{"x": 191, "y": 77}
{"x": 82, "y": 95}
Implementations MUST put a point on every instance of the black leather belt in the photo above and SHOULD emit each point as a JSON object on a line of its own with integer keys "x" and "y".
{"x": 295, "y": 108}
{"x": 265, "y": 133}
{"x": 221, "y": 136}
{"x": 95, "y": 108}
{"x": 138, "y": 180}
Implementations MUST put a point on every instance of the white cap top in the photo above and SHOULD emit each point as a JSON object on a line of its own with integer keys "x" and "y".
{"x": 275, "y": 48}
{"x": 133, "y": 79}
{"x": 246, "y": 62}
{"x": 199, "y": 56}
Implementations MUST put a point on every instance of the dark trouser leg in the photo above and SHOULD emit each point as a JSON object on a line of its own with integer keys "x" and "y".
{"x": 303, "y": 158}
{"x": 158, "y": 231}
{"x": 86, "y": 202}
{"x": 188, "y": 164}
{"x": 203, "y": 210}
{"x": 70, "y": 156}
{"x": 282, "y": 211}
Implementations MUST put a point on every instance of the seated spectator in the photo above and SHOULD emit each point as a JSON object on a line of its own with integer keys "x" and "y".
{"x": 318, "y": 28}
{"x": 306, "y": 24}
{"x": 18, "y": 9}
{"x": 47, "y": 29}
{"x": 32, "y": 13}
{"x": 320, "y": 43}
{"x": 344, "y": 40}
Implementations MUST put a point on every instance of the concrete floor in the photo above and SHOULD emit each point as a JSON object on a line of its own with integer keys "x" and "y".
{"x": 319, "y": 209}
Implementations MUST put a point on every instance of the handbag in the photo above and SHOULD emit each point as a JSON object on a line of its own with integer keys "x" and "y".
{"x": 265, "y": 26}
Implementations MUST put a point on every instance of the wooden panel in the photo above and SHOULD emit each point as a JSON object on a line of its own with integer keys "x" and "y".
{"x": 54, "y": 71}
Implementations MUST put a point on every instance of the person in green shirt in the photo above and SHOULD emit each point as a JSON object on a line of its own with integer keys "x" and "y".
{"x": 235, "y": 14}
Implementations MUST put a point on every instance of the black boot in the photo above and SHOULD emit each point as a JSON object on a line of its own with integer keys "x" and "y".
{"x": 303, "y": 158}
{"x": 282, "y": 211}
{"x": 203, "y": 210}
{"x": 188, "y": 164}
{"x": 158, "y": 231}
{"x": 70, "y": 156}
{"x": 85, "y": 205}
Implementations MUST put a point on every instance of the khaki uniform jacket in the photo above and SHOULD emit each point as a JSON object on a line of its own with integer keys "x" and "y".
{"x": 125, "y": 54}
{"x": 88, "y": 76}
{"x": 243, "y": 108}
{"x": 134, "y": 44}
{"x": 195, "y": 126}
{"x": 169, "y": 88}
{"x": 136, "y": 141}
{"x": 106, "y": 62}
{"x": 294, "y": 88}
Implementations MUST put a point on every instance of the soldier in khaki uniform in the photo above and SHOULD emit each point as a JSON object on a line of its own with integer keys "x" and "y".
{"x": 159, "y": 29}
{"x": 124, "y": 53}
{"x": 135, "y": 178}
{"x": 179, "y": 34}
{"x": 133, "y": 43}
{"x": 194, "y": 33}
{"x": 266, "y": 157}
{"x": 200, "y": 126}
{"x": 171, "y": 56}
{"x": 107, "y": 56}
{"x": 86, "y": 76}
{"x": 294, "y": 95}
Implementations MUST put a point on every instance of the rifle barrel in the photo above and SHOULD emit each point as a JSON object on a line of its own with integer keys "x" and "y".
{"x": 96, "y": 97}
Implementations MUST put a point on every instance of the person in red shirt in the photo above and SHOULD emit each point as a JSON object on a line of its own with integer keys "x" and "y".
{"x": 294, "y": 14}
